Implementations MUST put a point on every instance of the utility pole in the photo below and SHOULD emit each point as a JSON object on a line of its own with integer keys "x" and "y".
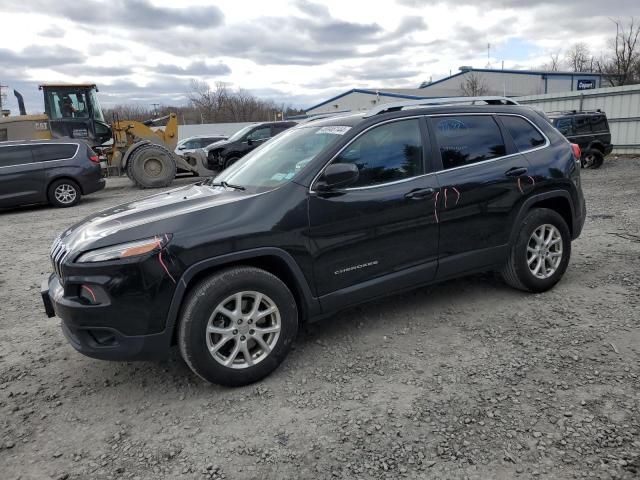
{"x": 2, "y": 96}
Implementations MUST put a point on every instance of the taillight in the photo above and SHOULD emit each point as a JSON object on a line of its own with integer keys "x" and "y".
{"x": 576, "y": 151}
{"x": 94, "y": 158}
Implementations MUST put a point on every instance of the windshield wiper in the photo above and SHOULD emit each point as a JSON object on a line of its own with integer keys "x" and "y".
{"x": 224, "y": 184}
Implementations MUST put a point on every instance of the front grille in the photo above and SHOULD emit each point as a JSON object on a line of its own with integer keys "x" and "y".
{"x": 58, "y": 253}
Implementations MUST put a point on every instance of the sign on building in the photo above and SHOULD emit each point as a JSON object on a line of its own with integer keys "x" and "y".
{"x": 586, "y": 84}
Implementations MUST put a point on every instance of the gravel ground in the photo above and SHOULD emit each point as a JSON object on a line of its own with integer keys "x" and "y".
{"x": 467, "y": 379}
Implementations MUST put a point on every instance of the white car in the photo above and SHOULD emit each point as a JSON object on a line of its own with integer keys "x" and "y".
{"x": 191, "y": 144}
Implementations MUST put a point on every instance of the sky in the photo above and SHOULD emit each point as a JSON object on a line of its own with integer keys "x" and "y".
{"x": 297, "y": 52}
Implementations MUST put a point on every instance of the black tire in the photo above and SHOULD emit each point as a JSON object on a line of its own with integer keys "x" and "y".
{"x": 151, "y": 166}
{"x": 230, "y": 161}
{"x": 57, "y": 196}
{"x": 516, "y": 272}
{"x": 201, "y": 303}
{"x": 592, "y": 159}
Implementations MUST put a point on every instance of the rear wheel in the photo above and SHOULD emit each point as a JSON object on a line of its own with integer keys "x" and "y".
{"x": 592, "y": 159}
{"x": 151, "y": 166}
{"x": 64, "y": 193}
{"x": 541, "y": 253}
{"x": 237, "y": 326}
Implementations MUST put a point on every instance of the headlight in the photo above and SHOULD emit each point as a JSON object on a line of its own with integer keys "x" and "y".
{"x": 124, "y": 250}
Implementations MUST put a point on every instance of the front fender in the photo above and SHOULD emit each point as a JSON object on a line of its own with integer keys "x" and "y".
{"x": 311, "y": 304}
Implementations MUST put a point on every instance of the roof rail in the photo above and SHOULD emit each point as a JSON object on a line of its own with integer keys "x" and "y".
{"x": 572, "y": 112}
{"x": 427, "y": 102}
{"x": 324, "y": 116}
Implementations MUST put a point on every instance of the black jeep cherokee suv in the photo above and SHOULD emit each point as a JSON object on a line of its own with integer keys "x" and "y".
{"x": 327, "y": 215}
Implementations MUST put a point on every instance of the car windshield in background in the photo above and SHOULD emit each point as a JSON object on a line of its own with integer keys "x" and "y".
{"x": 240, "y": 133}
{"x": 280, "y": 159}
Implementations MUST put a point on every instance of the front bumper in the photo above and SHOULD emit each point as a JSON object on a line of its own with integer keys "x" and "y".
{"x": 85, "y": 330}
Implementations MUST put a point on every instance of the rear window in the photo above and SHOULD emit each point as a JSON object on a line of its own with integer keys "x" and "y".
{"x": 598, "y": 123}
{"x": 524, "y": 134}
{"x": 10, "y": 156}
{"x": 464, "y": 140}
{"x": 53, "y": 151}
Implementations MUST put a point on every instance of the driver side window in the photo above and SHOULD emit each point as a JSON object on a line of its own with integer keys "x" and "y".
{"x": 386, "y": 153}
{"x": 260, "y": 134}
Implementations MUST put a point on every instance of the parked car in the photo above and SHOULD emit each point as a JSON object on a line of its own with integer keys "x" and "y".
{"x": 55, "y": 171}
{"x": 327, "y": 215}
{"x": 191, "y": 144}
{"x": 223, "y": 154}
{"x": 590, "y": 130}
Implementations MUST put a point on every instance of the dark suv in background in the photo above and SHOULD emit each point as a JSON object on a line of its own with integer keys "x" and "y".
{"x": 54, "y": 171}
{"x": 225, "y": 153}
{"x": 327, "y": 215}
{"x": 590, "y": 130}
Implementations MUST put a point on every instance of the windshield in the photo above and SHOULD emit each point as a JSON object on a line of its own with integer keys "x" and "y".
{"x": 240, "y": 133}
{"x": 280, "y": 159}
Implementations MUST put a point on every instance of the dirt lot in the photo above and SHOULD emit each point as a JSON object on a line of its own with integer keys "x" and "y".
{"x": 468, "y": 379}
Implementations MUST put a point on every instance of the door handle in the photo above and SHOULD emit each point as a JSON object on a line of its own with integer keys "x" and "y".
{"x": 515, "y": 172}
{"x": 420, "y": 193}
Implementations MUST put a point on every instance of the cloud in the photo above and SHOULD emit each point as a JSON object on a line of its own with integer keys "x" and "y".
{"x": 53, "y": 32}
{"x": 36, "y": 56}
{"x": 137, "y": 14}
{"x": 198, "y": 68}
{"x": 390, "y": 68}
{"x": 300, "y": 40}
{"x": 312, "y": 9}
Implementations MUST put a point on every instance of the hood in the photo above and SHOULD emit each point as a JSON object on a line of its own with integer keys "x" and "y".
{"x": 220, "y": 144}
{"x": 94, "y": 230}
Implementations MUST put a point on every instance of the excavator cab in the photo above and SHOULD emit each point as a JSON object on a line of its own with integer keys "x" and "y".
{"x": 74, "y": 111}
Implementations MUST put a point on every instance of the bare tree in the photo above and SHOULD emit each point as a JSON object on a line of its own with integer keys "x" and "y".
{"x": 622, "y": 66}
{"x": 578, "y": 58}
{"x": 553, "y": 65}
{"x": 473, "y": 85}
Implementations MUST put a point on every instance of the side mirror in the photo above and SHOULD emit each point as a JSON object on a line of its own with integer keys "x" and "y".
{"x": 338, "y": 175}
{"x": 249, "y": 141}
{"x": 181, "y": 147}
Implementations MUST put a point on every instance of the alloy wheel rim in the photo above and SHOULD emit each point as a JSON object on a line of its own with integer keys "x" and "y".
{"x": 65, "y": 193}
{"x": 544, "y": 251}
{"x": 589, "y": 160}
{"x": 243, "y": 329}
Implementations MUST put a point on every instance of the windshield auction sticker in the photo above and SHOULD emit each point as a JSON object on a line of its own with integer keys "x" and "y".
{"x": 334, "y": 130}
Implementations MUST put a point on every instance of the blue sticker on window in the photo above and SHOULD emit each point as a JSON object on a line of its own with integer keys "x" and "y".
{"x": 451, "y": 127}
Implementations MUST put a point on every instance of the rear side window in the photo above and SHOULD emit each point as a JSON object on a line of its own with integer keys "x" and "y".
{"x": 582, "y": 125}
{"x": 524, "y": 134}
{"x": 10, "y": 156}
{"x": 464, "y": 140}
{"x": 598, "y": 123}
{"x": 46, "y": 153}
{"x": 386, "y": 153}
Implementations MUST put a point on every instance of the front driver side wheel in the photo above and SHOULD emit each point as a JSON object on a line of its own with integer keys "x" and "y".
{"x": 237, "y": 326}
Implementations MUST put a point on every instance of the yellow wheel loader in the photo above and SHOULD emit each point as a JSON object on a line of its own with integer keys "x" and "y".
{"x": 145, "y": 154}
